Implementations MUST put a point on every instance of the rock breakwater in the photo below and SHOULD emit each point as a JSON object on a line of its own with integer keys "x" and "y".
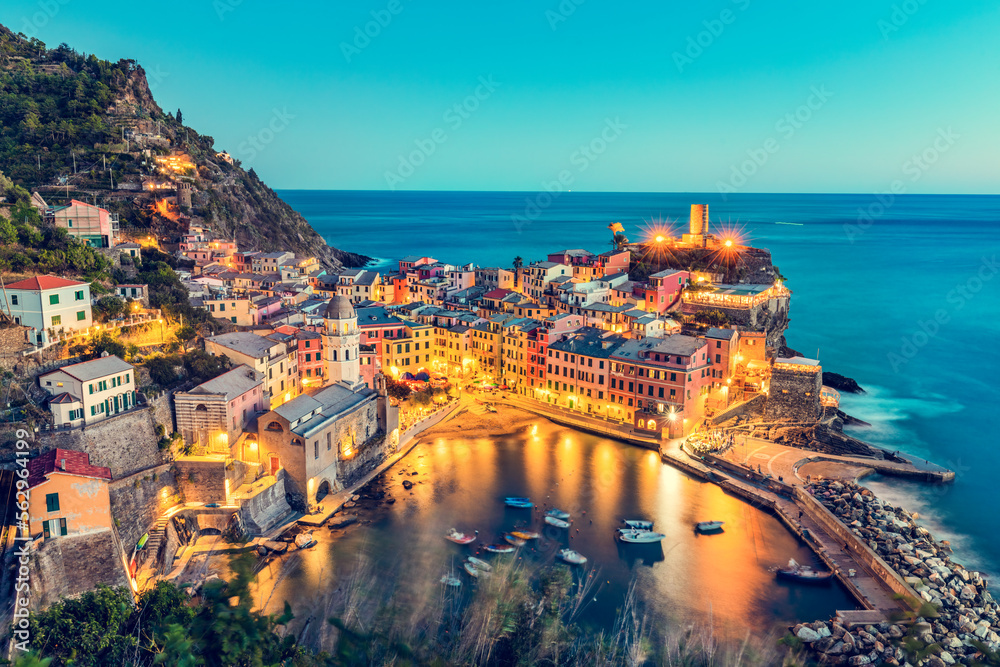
{"x": 954, "y": 620}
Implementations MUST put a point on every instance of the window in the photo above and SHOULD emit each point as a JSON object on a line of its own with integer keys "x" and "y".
{"x": 79, "y": 295}
{"x": 316, "y": 449}
{"x": 51, "y": 502}
{"x": 62, "y": 526}
{"x": 56, "y": 320}
{"x": 53, "y": 299}
{"x": 233, "y": 319}
{"x": 13, "y": 299}
{"x": 81, "y": 315}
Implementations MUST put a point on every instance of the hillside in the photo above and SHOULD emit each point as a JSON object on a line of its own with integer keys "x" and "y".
{"x": 75, "y": 126}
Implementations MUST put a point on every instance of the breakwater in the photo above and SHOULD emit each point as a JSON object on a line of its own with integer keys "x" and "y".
{"x": 953, "y": 616}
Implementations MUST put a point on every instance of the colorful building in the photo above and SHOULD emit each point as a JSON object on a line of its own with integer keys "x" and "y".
{"x": 68, "y": 496}
{"x": 90, "y": 391}
{"x": 91, "y": 224}
{"x": 48, "y": 304}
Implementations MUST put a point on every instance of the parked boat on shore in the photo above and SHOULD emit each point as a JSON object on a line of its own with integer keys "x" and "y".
{"x": 480, "y": 564}
{"x": 558, "y": 523}
{"x": 499, "y": 548}
{"x": 516, "y": 541}
{"x": 525, "y": 534}
{"x": 451, "y": 580}
{"x": 558, "y": 514}
{"x": 518, "y": 502}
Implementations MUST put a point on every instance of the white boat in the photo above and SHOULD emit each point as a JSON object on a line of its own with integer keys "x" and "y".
{"x": 459, "y": 538}
{"x": 709, "y": 526}
{"x": 451, "y": 580}
{"x": 640, "y": 536}
{"x": 499, "y": 548}
{"x": 557, "y": 514}
{"x": 480, "y": 564}
{"x": 558, "y": 523}
{"x": 305, "y": 540}
{"x": 471, "y": 570}
{"x": 572, "y": 557}
{"x": 638, "y": 524}
{"x": 803, "y": 573}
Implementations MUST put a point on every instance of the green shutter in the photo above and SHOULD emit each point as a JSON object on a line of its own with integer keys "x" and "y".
{"x": 51, "y": 502}
{"x": 53, "y": 299}
{"x": 81, "y": 315}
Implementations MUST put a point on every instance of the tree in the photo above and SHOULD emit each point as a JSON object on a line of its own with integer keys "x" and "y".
{"x": 104, "y": 342}
{"x": 109, "y": 308}
{"x": 713, "y": 318}
{"x": 162, "y": 370}
{"x": 518, "y": 263}
{"x": 180, "y": 118}
{"x": 186, "y": 334}
{"x": 396, "y": 390}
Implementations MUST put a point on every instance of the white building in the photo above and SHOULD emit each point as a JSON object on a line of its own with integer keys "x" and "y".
{"x": 49, "y": 304}
{"x": 341, "y": 342}
{"x": 90, "y": 391}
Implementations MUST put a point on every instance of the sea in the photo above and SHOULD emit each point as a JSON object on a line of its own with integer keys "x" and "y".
{"x": 901, "y": 293}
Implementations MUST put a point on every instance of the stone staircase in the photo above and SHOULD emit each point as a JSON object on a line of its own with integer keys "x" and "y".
{"x": 157, "y": 537}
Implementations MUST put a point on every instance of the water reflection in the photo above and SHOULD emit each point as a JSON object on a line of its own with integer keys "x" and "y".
{"x": 726, "y": 578}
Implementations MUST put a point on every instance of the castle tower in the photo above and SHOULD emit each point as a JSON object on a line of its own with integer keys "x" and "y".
{"x": 341, "y": 342}
{"x": 698, "y": 231}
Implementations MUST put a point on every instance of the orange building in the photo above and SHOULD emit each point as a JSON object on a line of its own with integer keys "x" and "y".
{"x": 68, "y": 496}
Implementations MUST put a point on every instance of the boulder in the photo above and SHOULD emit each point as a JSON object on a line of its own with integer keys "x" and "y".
{"x": 807, "y": 634}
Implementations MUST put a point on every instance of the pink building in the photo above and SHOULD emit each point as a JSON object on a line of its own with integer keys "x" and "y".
{"x": 214, "y": 414}
{"x": 662, "y": 291}
{"x": 93, "y": 225}
{"x": 588, "y": 266}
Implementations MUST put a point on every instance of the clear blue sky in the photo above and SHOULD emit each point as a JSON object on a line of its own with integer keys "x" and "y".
{"x": 893, "y": 76}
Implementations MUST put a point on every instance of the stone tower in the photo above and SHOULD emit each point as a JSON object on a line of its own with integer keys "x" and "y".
{"x": 341, "y": 342}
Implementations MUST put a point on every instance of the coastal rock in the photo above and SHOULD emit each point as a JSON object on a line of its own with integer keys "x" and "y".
{"x": 407, "y": 484}
{"x": 807, "y": 634}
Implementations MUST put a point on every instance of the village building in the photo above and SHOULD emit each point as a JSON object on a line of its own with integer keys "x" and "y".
{"x": 89, "y": 391}
{"x": 68, "y": 496}
{"x": 48, "y": 305}
{"x": 215, "y": 413}
{"x": 269, "y": 357}
{"x": 91, "y": 224}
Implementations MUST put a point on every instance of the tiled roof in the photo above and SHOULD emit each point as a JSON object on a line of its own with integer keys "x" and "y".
{"x": 43, "y": 283}
{"x": 96, "y": 368}
{"x": 66, "y": 461}
{"x": 233, "y": 383}
{"x": 64, "y": 397}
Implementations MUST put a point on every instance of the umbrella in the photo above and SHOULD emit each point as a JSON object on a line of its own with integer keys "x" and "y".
{"x": 422, "y": 376}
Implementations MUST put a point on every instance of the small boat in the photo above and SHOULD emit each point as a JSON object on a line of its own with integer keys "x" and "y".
{"x": 499, "y": 548}
{"x": 480, "y": 564}
{"x": 451, "y": 580}
{"x": 471, "y": 570}
{"x": 516, "y": 541}
{"x": 572, "y": 557}
{"x": 519, "y": 503}
{"x": 142, "y": 541}
{"x": 558, "y": 514}
{"x": 558, "y": 523}
{"x": 709, "y": 526}
{"x": 638, "y": 524}
{"x": 525, "y": 534}
{"x": 459, "y": 538}
{"x": 640, "y": 536}
{"x": 305, "y": 540}
{"x": 803, "y": 573}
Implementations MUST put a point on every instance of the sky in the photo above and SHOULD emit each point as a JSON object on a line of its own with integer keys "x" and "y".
{"x": 720, "y": 96}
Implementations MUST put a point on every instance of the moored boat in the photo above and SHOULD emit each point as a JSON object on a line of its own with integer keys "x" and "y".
{"x": 709, "y": 526}
{"x": 518, "y": 502}
{"x": 638, "y": 524}
{"x": 525, "y": 534}
{"x": 558, "y": 523}
{"x": 558, "y": 514}
{"x": 480, "y": 564}
{"x": 471, "y": 570}
{"x": 459, "y": 538}
{"x": 499, "y": 548}
{"x": 516, "y": 541}
{"x": 640, "y": 536}
{"x": 451, "y": 580}
{"x": 572, "y": 557}
{"x": 803, "y": 573}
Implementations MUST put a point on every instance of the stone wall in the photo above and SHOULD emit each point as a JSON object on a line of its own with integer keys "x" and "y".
{"x": 751, "y": 407}
{"x": 267, "y": 509}
{"x": 794, "y": 396}
{"x": 201, "y": 480}
{"x": 126, "y": 443}
{"x": 70, "y": 566}
{"x": 138, "y": 500}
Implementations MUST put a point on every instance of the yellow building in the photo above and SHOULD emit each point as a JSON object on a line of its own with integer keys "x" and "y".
{"x": 69, "y": 496}
{"x": 410, "y": 354}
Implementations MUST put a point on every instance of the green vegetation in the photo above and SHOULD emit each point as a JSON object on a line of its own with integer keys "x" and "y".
{"x": 170, "y": 370}
{"x": 713, "y": 318}
{"x": 516, "y": 617}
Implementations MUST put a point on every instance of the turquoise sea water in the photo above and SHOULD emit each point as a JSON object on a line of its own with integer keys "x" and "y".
{"x": 902, "y": 295}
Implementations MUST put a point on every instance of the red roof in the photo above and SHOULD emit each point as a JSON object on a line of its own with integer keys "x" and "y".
{"x": 497, "y": 293}
{"x": 43, "y": 283}
{"x": 65, "y": 461}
